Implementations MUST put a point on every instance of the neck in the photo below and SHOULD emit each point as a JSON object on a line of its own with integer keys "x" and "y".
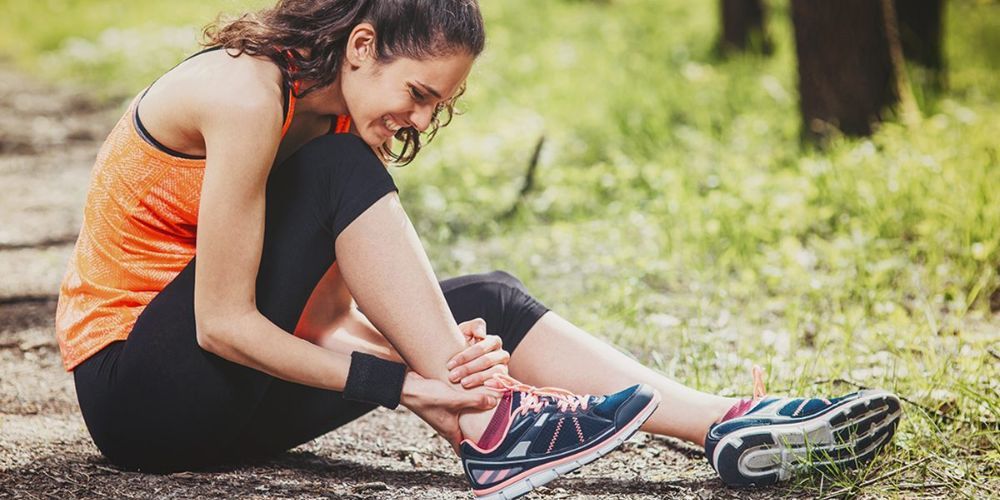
{"x": 327, "y": 100}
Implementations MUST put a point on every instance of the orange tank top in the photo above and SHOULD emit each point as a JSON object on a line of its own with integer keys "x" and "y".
{"x": 139, "y": 230}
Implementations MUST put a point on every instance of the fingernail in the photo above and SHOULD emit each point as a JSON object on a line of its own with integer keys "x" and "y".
{"x": 450, "y": 365}
{"x": 453, "y": 375}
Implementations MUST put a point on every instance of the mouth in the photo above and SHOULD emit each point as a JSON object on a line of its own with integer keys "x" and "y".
{"x": 391, "y": 126}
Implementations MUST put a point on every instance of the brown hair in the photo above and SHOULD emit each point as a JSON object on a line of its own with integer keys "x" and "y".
{"x": 416, "y": 29}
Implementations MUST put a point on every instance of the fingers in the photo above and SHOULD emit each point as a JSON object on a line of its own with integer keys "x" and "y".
{"x": 473, "y": 401}
{"x": 484, "y": 377}
{"x": 474, "y": 330}
{"x": 487, "y": 344}
{"x": 482, "y": 363}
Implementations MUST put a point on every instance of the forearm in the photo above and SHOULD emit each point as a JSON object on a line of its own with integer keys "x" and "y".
{"x": 345, "y": 333}
{"x": 252, "y": 340}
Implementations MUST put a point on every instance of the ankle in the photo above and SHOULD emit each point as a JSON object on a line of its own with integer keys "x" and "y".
{"x": 473, "y": 424}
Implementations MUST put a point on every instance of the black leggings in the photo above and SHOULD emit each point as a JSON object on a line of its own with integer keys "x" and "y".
{"x": 158, "y": 402}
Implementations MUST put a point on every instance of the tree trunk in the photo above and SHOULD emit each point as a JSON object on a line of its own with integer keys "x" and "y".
{"x": 850, "y": 64}
{"x": 921, "y": 29}
{"x": 921, "y": 25}
{"x": 743, "y": 27}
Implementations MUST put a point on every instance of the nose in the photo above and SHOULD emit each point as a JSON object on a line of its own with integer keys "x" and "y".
{"x": 421, "y": 117}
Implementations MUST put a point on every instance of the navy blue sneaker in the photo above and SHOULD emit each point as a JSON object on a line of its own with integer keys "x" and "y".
{"x": 765, "y": 440}
{"x": 539, "y": 434}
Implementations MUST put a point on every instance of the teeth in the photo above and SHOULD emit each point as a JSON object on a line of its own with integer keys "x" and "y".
{"x": 391, "y": 124}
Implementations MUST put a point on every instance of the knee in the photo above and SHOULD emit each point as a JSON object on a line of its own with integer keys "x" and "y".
{"x": 497, "y": 295}
{"x": 503, "y": 280}
{"x": 504, "y": 302}
{"x": 338, "y": 152}
{"x": 335, "y": 177}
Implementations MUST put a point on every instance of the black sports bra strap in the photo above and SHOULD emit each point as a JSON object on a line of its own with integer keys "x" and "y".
{"x": 286, "y": 96}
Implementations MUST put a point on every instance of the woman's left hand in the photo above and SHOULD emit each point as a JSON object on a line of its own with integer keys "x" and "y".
{"x": 483, "y": 357}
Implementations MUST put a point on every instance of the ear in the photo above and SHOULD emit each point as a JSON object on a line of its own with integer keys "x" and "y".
{"x": 361, "y": 46}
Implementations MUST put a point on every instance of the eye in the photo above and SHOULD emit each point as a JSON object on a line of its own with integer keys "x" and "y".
{"x": 416, "y": 94}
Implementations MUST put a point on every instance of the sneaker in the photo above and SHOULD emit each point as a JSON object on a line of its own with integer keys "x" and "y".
{"x": 765, "y": 440}
{"x": 539, "y": 434}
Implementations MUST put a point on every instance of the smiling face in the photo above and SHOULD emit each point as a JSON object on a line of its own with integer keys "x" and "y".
{"x": 384, "y": 96}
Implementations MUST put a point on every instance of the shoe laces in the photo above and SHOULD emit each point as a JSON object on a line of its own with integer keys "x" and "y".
{"x": 759, "y": 391}
{"x": 535, "y": 398}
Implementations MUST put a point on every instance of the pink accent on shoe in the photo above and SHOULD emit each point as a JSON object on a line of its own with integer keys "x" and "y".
{"x": 759, "y": 391}
{"x": 799, "y": 409}
{"x": 496, "y": 430}
{"x": 579, "y": 431}
{"x": 521, "y": 475}
{"x": 555, "y": 435}
{"x": 534, "y": 398}
{"x": 744, "y": 405}
{"x": 737, "y": 410}
{"x": 501, "y": 474}
{"x": 487, "y": 477}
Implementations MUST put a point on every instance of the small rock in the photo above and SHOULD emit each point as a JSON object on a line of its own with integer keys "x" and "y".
{"x": 368, "y": 487}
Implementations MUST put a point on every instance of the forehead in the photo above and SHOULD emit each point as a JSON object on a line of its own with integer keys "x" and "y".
{"x": 443, "y": 74}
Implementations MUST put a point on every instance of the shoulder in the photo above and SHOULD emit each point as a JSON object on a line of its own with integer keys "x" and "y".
{"x": 215, "y": 88}
{"x": 244, "y": 87}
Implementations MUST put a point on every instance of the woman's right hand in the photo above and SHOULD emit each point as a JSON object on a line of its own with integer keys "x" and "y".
{"x": 483, "y": 356}
{"x": 440, "y": 405}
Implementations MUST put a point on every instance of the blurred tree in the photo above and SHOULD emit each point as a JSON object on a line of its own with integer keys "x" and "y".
{"x": 921, "y": 28}
{"x": 850, "y": 65}
{"x": 743, "y": 27}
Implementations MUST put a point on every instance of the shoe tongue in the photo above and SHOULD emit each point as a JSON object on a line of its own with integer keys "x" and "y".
{"x": 497, "y": 427}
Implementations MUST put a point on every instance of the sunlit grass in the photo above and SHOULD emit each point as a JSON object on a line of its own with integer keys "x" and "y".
{"x": 676, "y": 213}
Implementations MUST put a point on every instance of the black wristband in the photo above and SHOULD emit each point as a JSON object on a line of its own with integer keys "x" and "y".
{"x": 374, "y": 380}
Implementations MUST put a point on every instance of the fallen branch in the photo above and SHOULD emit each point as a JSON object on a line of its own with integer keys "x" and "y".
{"x": 27, "y": 299}
{"x": 529, "y": 179}
{"x": 68, "y": 239}
{"x": 993, "y": 352}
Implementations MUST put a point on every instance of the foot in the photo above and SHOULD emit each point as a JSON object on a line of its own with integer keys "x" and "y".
{"x": 765, "y": 439}
{"x": 539, "y": 434}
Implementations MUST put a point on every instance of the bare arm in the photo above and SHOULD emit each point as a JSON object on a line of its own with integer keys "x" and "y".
{"x": 241, "y": 138}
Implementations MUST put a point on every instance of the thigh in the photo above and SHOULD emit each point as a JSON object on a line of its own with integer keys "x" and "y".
{"x": 291, "y": 414}
{"x": 158, "y": 401}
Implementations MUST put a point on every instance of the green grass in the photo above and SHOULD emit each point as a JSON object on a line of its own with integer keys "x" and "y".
{"x": 676, "y": 213}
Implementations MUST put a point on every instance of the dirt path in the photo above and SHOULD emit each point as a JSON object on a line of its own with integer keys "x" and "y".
{"x": 48, "y": 139}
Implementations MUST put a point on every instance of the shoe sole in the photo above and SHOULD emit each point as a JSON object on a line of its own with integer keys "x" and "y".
{"x": 845, "y": 437}
{"x": 548, "y": 472}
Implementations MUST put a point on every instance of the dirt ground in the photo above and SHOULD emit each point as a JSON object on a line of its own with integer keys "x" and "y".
{"x": 48, "y": 140}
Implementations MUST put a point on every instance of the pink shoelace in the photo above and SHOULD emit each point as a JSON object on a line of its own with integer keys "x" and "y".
{"x": 535, "y": 398}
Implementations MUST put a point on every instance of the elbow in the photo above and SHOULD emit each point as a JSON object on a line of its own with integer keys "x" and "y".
{"x": 209, "y": 333}
{"x": 207, "y": 338}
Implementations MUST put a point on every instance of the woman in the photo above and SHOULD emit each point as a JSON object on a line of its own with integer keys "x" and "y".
{"x": 243, "y": 197}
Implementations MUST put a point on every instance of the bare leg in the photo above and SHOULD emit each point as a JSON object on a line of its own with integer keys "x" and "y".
{"x": 687, "y": 413}
{"x": 557, "y": 353}
{"x": 388, "y": 274}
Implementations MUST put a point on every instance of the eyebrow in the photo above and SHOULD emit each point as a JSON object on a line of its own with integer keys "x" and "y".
{"x": 430, "y": 89}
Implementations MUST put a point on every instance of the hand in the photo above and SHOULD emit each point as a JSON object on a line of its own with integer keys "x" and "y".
{"x": 440, "y": 405}
{"x": 483, "y": 357}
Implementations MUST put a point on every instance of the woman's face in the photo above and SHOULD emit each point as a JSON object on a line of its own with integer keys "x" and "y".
{"x": 383, "y": 97}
